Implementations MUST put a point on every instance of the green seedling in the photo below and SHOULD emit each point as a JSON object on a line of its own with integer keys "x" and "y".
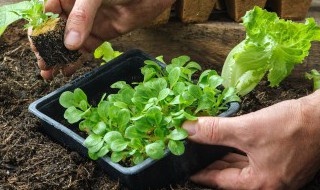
{"x": 31, "y": 11}
{"x": 315, "y": 76}
{"x": 143, "y": 121}
{"x": 106, "y": 53}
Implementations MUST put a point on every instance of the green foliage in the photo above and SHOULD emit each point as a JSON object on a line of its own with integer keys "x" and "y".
{"x": 145, "y": 120}
{"x": 272, "y": 45}
{"x": 106, "y": 52}
{"x": 315, "y": 76}
{"x": 32, "y": 11}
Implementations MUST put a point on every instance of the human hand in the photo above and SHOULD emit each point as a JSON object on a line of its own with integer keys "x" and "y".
{"x": 91, "y": 22}
{"x": 281, "y": 144}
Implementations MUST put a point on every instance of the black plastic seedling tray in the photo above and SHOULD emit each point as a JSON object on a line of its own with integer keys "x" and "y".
{"x": 149, "y": 174}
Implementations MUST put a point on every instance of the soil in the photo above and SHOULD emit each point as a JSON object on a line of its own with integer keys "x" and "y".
{"x": 51, "y": 46}
{"x": 31, "y": 160}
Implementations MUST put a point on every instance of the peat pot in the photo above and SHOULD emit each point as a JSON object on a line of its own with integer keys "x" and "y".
{"x": 238, "y": 8}
{"x": 290, "y": 9}
{"x": 195, "y": 10}
{"x": 150, "y": 173}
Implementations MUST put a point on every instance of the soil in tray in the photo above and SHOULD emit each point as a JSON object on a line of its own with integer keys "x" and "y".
{"x": 30, "y": 160}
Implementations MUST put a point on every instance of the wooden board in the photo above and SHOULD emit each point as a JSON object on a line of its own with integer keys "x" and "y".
{"x": 205, "y": 43}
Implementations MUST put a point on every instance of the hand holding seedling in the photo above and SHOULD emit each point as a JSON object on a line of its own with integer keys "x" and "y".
{"x": 91, "y": 22}
{"x": 281, "y": 144}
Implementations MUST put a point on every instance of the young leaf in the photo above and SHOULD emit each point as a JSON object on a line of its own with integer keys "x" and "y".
{"x": 315, "y": 76}
{"x": 106, "y": 52}
{"x": 178, "y": 134}
{"x": 73, "y": 115}
{"x": 176, "y": 147}
{"x": 117, "y": 156}
{"x": 174, "y": 76}
{"x": 96, "y": 147}
{"x": 92, "y": 140}
{"x": 103, "y": 151}
{"x": 119, "y": 145}
{"x": 137, "y": 158}
{"x": 67, "y": 99}
{"x": 132, "y": 132}
{"x": 100, "y": 128}
{"x": 79, "y": 95}
{"x": 155, "y": 150}
{"x": 164, "y": 93}
{"x": 112, "y": 136}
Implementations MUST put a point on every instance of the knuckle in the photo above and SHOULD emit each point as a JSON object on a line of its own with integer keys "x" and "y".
{"x": 78, "y": 17}
{"x": 208, "y": 128}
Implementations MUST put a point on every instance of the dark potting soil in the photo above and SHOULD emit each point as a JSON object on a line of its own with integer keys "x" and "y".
{"x": 31, "y": 160}
{"x": 51, "y": 46}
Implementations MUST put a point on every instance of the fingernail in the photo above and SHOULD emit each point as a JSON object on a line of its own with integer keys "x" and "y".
{"x": 190, "y": 126}
{"x": 72, "y": 39}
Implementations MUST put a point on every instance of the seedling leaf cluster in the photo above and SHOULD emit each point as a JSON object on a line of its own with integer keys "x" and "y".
{"x": 144, "y": 118}
{"x": 32, "y": 11}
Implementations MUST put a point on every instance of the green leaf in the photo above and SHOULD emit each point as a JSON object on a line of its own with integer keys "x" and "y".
{"x": 92, "y": 140}
{"x": 79, "y": 95}
{"x": 119, "y": 145}
{"x": 96, "y": 147}
{"x": 103, "y": 151}
{"x": 215, "y": 81}
{"x": 100, "y": 128}
{"x": 195, "y": 91}
{"x": 123, "y": 117}
{"x": 133, "y": 132}
{"x": 178, "y": 134}
{"x": 179, "y": 88}
{"x": 106, "y": 52}
{"x": 73, "y": 115}
{"x": 93, "y": 155}
{"x": 315, "y": 76}
{"x": 160, "y": 132}
{"x": 193, "y": 65}
{"x": 174, "y": 76}
{"x": 136, "y": 143}
{"x": 117, "y": 156}
{"x": 154, "y": 115}
{"x": 67, "y": 99}
{"x": 155, "y": 150}
{"x": 137, "y": 158}
{"x": 143, "y": 125}
{"x": 120, "y": 85}
{"x": 112, "y": 136}
{"x": 164, "y": 93}
{"x": 190, "y": 117}
{"x": 176, "y": 147}
{"x": 148, "y": 73}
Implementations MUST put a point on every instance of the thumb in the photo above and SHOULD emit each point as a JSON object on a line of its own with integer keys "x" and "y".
{"x": 216, "y": 131}
{"x": 80, "y": 22}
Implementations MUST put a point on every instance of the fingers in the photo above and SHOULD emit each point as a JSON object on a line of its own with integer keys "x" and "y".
{"x": 216, "y": 131}
{"x": 54, "y": 6}
{"x": 230, "y": 178}
{"x": 80, "y": 22}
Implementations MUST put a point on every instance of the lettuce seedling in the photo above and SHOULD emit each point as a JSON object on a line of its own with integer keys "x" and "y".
{"x": 47, "y": 30}
{"x": 272, "y": 46}
{"x": 31, "y": 11}
{"x": 143, "y": 121}
{"x": 315, "y": 76}
{"x": 106, "y": 52}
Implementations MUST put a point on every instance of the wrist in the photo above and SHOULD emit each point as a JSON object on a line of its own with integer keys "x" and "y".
{"x": 310, "y": 108}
